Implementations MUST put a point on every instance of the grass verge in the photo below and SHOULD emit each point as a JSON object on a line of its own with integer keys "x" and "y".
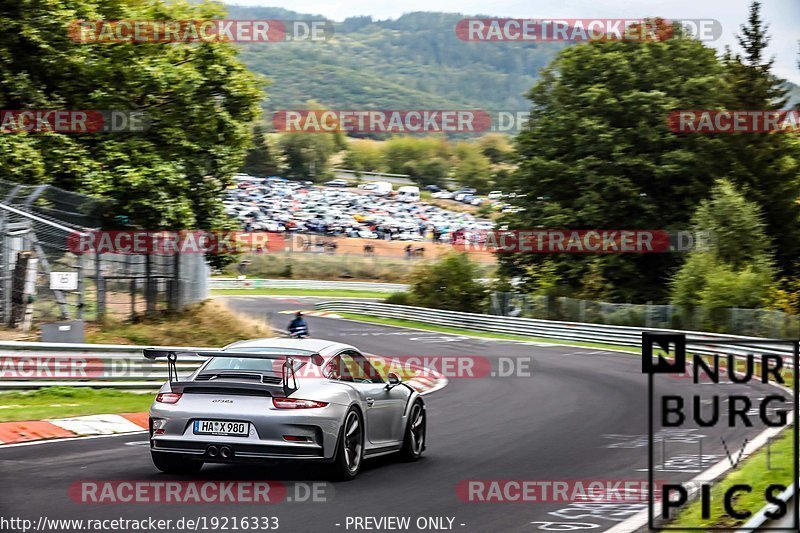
{"x": 60, "y": 402}
{"x": 324, "y": 293}
{"x": 753, "y": 472}
{"x": 481, "y": 334}
{"x": 206, "y": 324}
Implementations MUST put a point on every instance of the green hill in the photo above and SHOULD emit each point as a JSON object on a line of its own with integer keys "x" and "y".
{"x": 414, "y": 62}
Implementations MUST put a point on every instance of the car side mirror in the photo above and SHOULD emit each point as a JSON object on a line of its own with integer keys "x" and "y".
{"x": 392, "y": 380}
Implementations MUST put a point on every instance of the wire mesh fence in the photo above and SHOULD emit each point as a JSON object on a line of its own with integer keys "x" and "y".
{"x": 67, "y": 282}
{"x": 734, "y": 321}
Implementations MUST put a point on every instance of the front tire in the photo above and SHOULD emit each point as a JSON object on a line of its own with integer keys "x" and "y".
{"x": 414, "y": 439}
{"x": 171, "y": 463}
{"x": 349, "y": 447}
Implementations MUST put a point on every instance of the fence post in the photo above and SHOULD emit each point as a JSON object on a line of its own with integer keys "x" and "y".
{"x": 149, "y": 293}
{"x": 80, "y": 286}
{"x": 100, "y": 286}
{"x": 175, "y": 301}
{"x": 133, "y": 299}
{"x": 5, "y": 277}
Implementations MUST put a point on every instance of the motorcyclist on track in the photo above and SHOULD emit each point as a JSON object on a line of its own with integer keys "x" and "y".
{"x": 298, "y": 327}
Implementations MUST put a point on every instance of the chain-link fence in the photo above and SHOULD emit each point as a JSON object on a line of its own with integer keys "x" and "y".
{"x": 38, "y": 225}
{"x": 734, "y": 321}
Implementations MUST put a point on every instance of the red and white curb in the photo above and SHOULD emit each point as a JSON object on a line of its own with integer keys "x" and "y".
{"x": 78, "y": 426}
{"x": 323, "y": 314}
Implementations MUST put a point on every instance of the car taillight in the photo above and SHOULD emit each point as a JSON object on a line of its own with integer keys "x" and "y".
{"x": 168, "y": 397}
{"x": 294, "y": 403}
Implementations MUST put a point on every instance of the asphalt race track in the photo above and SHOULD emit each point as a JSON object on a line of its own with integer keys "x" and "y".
{"x": 580, "y": 415}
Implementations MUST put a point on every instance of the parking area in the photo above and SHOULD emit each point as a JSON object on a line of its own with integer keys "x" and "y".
{"x": 276, "y": 204}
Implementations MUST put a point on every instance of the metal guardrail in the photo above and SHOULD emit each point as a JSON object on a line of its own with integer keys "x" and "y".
{"x": 235, "y": 283}
{"x": 702, "y": 343}
{"x": 32, "y": 365}
{"x": 27, "y": 365}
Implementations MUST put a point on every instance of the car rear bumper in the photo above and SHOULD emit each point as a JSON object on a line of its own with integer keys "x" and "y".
{"x": 241, "y": 452}
{"x": 274, "y": 434}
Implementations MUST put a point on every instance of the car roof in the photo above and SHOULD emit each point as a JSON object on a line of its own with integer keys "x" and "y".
{"x": 319, "y": 346}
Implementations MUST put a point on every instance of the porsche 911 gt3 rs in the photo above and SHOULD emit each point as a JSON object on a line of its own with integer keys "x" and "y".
{"x": 283, "y": 399}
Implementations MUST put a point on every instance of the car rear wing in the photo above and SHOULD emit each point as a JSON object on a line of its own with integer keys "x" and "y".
{"x": 287, "y": 367}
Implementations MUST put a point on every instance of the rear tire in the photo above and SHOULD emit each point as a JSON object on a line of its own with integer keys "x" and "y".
{"x": 171, "y": 463}
{"x": 349, "y": 447}
{"x": 414, "y": 438}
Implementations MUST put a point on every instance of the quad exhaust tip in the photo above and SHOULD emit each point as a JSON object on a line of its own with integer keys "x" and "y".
{"x": 226, "y": 452}
{"x": 212, "y": 451}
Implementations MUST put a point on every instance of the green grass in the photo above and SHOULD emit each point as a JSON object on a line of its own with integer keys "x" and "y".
{"x": 326, "y": 293}
{"x": 59, "y": 402}
{"x": 480, "y": 334}
{"x": 752, "y": 472}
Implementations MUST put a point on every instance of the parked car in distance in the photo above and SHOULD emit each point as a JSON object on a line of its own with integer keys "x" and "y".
{"x": 382, "y": 188}
{"x": 495, "y": 195}
{"x": 409, "y": 193}
{"x": 433, "y": 188}
{"x": 337, "y": 183}
{"x": 461, "y": 193}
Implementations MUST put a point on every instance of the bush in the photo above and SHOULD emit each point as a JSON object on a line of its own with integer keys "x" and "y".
{"x": 450, "y": 284}
{"x": 399, "y": 298}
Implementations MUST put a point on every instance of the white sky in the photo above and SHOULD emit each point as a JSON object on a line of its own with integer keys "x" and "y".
{"x": 782, "y": 15}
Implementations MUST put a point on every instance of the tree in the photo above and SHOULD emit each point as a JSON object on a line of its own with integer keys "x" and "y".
{"x": 473, "y": 169}
{"x": 307, "y": 155}
{"x": 497, "y": 147}
{"x": 399, "y": 152}
{"x": 597, "y": 154}
{"x": 199, "y": 97}
{"x": 737, "y": 271}
{"x": 765, "y": 166}
{"x": 450, "y": 283}
{"x": 364, "y": 156}
{"x": 261, "y": 159}
{"x": 433, "y": 171}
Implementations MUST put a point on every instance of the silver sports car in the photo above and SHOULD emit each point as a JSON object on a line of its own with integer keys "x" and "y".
{"x": 283, "y": 399}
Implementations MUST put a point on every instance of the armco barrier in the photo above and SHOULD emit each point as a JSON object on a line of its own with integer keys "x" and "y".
{"x": 235, "y": 283}
{"x": 549, "y": 329}
{"x": 30, "y": 365}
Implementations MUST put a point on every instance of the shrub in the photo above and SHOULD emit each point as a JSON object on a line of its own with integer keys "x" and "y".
{"x": 399, "y": 298}
{"x": 450, "y": 284}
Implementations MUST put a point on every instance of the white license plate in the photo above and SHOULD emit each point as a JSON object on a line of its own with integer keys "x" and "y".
{"x": 221, "y": 427}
